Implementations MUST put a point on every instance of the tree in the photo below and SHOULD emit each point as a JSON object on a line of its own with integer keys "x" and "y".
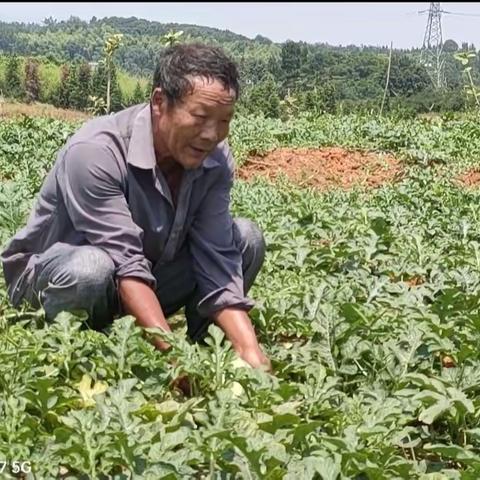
{"x": 407, "y": 76}
{"x": 62, "y": 95}
{"x": 80, "y": 86}
{"x": 450, "y": 46}
{"x": 138, "y": 95}
{"x": 148, "y": 93}
{"x": 32, "y": 81}
{"x": 253, "y": 70}
{"x": 262, "y": 39}
{"x": 320, "y": 99}
{"x": 290, "y": 58}
{"x": 263, "y": 98}
{"x": 13, "y": 82}
{"x": 99, "y": 87}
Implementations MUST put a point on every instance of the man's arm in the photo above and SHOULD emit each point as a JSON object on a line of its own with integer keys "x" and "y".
{"x": 140, "y": 300}
{"x": 91, "y": 186}
{"x": 217, "y": 264}
{"x": 239, "y": 330}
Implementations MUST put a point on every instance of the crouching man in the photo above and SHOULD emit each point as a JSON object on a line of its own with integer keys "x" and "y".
{"x": 134, "y": 215}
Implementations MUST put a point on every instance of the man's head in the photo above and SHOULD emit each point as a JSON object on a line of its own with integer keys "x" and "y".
{"x": 194, "y": 91}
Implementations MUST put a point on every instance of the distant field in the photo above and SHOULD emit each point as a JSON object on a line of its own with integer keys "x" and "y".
{"x": 15, "y": 109}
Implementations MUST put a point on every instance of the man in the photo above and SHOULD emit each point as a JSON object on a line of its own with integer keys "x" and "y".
{"x": 134, "y": 216}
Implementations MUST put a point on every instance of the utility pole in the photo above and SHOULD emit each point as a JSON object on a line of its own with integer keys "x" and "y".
{"x": 432, "y": 51}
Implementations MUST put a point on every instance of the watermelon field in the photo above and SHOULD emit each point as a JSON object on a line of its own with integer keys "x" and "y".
{"x": 368, "y": 306}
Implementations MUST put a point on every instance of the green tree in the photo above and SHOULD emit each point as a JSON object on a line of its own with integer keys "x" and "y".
{"x": 291, "y": 61}
{"x": 450, "y": 46}
{"x": 61, "y": 97}
{"x": 99, "y": 86}
{"x": 32, "y": 81}
{"x": 13, "y": 82}
{"x": 253, "y": 70}
{"x": 148, "y": 93}
{"x": 263, "y": 98}
{"x": 407, "y": 77}
{"x": 80, "y": 86}
{"x": 319, "y": 100}
{"x": 138, "y": 95}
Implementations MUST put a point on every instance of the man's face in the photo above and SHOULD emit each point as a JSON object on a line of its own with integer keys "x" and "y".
{"x": 191, "y": 129}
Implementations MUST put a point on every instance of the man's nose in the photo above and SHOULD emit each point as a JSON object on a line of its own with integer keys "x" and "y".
{"x": 210, "y": 133}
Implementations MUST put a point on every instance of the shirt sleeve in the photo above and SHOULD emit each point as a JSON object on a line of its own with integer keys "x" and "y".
{"x": 90, "y": 182}
{"x": 217, "y": 261}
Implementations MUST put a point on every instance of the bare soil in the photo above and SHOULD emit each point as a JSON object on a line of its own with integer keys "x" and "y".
{"x": 470, "y": 178}
{"x": 324, "y": 168}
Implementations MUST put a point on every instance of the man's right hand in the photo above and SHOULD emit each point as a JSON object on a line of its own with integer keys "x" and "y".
{"x": 139, "y": 300}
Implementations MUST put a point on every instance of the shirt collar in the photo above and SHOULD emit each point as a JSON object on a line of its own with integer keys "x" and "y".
{"x": 141, "y": 153}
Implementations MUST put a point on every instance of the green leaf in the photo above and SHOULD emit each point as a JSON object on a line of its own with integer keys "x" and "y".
{"x": 430, "y": 414}
{"x": 455, "y": 452}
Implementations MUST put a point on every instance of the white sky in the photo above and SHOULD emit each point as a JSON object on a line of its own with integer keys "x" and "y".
{"x": 361, "y": 23}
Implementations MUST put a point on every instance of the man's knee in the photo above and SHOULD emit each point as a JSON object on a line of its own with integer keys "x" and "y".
{"x": 251, "y": 241}
{"x": 86, "y": 267}
{"x": 75, "y": 278}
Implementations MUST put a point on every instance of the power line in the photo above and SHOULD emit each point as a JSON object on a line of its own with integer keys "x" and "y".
{"x": 462, "y": 14}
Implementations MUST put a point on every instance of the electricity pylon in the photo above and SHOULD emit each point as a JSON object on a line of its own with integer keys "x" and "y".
{"x": 432, "y": 51}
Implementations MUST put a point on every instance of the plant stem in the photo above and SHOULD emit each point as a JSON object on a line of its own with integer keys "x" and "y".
{"x": 474, "y": 89}
{"x": 388, "y": 78}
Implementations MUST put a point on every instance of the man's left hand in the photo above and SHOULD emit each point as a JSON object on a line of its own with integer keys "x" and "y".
{"x": 239, "y": 330}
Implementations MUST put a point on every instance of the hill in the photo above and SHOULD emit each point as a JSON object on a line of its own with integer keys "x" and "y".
{"x": 319, "y": 77}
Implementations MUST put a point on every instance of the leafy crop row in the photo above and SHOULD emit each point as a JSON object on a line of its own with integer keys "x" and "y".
{"x": 368, "y": 305}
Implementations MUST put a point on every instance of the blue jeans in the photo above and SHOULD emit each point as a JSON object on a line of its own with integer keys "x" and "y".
{"x": 69, "y": 278}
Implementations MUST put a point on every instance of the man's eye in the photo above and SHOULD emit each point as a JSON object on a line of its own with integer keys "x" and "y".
{"x": 200, "y": 116}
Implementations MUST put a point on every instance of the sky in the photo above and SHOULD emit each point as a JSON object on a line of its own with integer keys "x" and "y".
{"x": 360, "y": 23}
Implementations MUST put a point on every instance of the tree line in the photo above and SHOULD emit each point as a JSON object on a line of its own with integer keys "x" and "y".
{"x": 277, "y": 79}
{"x": 80, "y": 84}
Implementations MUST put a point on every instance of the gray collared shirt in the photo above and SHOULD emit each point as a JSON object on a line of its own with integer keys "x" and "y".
{"x": 106, "y": 190}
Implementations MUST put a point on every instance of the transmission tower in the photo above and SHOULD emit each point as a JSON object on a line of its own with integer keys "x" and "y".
{"x": 432, "y": 50}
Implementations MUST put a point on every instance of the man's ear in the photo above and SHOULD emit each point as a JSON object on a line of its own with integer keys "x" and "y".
{"x": 158, "y": 100}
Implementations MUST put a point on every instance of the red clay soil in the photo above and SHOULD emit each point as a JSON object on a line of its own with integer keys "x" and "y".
{"x": 470, "y": 178}
{"x": 324, "y": 168}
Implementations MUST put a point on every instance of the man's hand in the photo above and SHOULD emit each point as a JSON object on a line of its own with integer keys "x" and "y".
{"x": 139, "y": 300}
{"x": 256, "y": 358}
{"x": 239, "y": 330}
